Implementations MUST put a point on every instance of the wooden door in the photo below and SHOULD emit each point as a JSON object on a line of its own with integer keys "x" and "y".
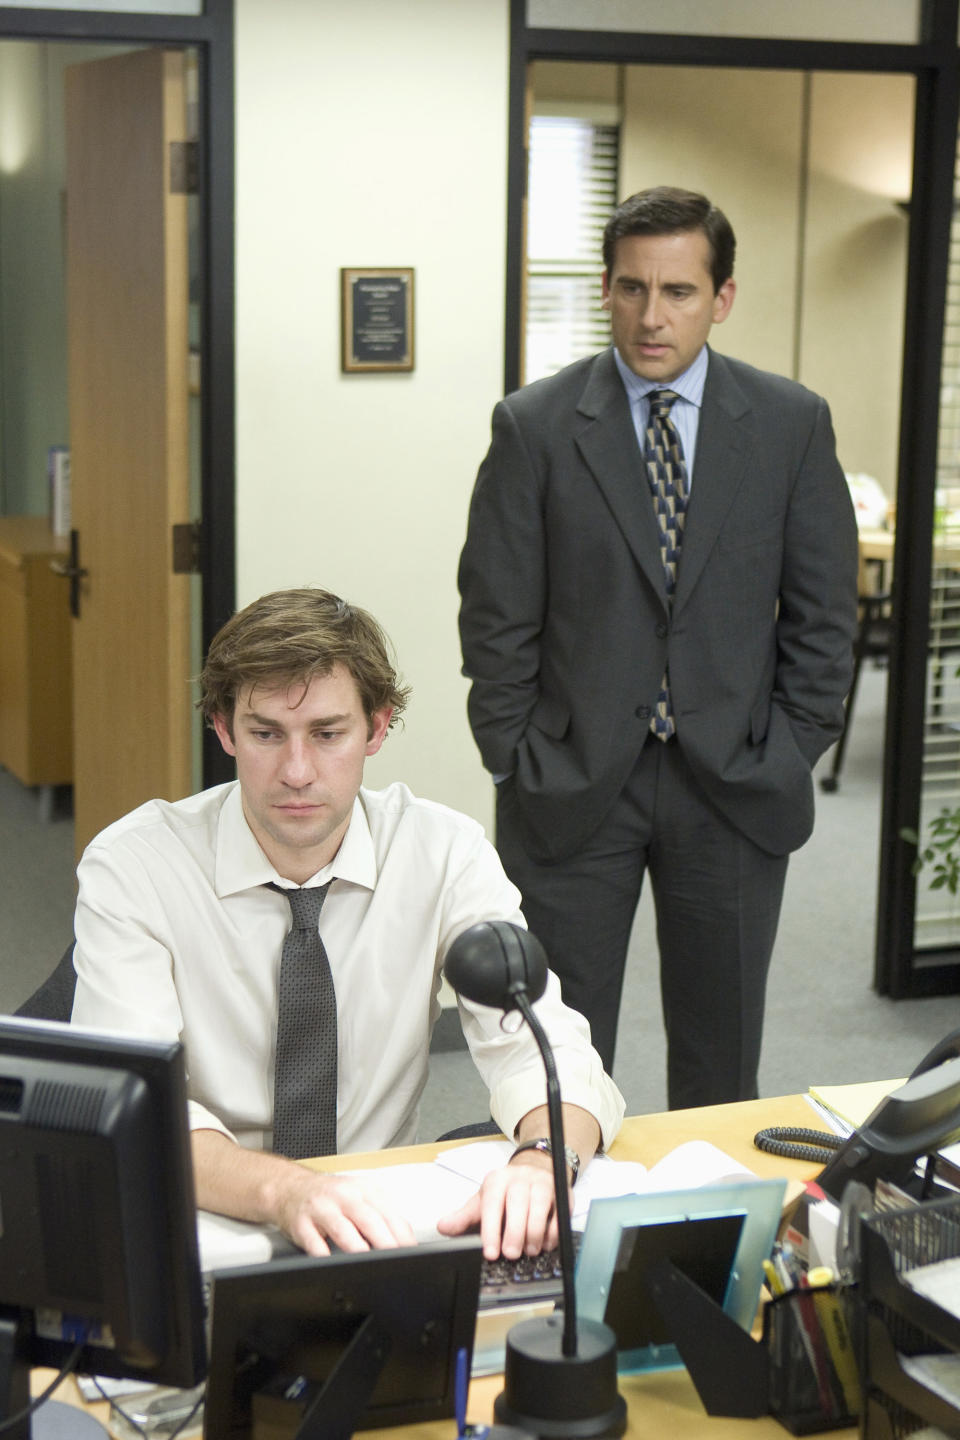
{"x": 127, "y": 296}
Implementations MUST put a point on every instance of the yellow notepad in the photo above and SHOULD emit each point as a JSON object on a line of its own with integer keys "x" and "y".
{"x": 854, "y": 1103}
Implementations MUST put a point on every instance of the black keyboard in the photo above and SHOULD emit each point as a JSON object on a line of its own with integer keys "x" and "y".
{"x": 531, "y": 1278}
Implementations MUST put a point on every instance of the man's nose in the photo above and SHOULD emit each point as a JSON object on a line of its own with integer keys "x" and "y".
{"x": 652, "y": 312}
{"x": 297, "y": 769}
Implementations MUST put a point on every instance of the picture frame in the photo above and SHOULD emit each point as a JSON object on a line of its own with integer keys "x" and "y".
{"x": 611, "y": 1223}
{"x": 376, "y": 319}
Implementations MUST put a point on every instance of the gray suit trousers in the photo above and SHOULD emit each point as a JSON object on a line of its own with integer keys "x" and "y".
{"x": 717, "y": 897}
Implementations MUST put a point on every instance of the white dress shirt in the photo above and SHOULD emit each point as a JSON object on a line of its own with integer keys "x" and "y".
{"x": 178, "y": 936}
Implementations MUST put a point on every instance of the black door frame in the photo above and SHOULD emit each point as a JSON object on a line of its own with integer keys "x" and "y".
{"x": 211, "y": 35}
{"x": 900, "y": 970}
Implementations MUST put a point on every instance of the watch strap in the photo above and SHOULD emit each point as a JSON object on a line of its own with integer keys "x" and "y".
{"x": 543, "y": 1144}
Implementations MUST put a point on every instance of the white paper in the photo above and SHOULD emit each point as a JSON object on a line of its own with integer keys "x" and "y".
{"x": 692, "y": 1164}
{"x": 939, "y": 1282}
{"x": 939, "y": 1373}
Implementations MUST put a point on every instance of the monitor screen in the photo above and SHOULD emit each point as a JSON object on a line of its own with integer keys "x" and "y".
{"x": 288, "y": 1335}
{"x": 98, "y": 1238}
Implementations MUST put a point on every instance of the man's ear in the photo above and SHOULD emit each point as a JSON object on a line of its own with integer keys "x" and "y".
{"x": 223, "y": 734}
{"x": 377, "y": 730}
{"x": 723, "y": 301}
{"x": 605, "y": 291}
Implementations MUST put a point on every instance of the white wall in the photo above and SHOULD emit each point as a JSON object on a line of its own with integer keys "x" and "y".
{"x": 738, "y": 136}
{"x": 372, "y": 135}
{"x": 733, "y": 135}
{"x": 861, "y": 161}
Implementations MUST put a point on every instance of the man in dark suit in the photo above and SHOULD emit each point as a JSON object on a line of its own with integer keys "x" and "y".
{"x": 658, "y": 608}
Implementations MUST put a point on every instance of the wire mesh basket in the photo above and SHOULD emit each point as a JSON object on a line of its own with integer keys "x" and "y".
{"x": 897, "y": 1324}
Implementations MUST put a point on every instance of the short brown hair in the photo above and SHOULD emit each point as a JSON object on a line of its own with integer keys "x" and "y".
{"x": 667, "y": 210}
{"x": 291, "y": 637}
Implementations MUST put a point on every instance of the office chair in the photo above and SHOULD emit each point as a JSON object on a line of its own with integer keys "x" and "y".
{"x": 872, "y": 642}
{"x": 53, "y": 1000}
{"x": 470, "y": 1132}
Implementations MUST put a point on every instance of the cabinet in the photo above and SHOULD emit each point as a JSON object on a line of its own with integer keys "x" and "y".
{"x": 36, "y": 690}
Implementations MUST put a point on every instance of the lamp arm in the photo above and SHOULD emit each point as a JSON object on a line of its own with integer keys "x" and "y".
{"x": 562, "y": 1194}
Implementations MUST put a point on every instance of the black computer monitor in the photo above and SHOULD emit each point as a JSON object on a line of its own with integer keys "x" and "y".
{"x": 305, "y": 1347}
{"x": 98, "y": 1238}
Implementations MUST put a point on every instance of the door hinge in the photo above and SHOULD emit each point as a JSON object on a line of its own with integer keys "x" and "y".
{"x": 186, "y": 548}
{"x": 184, "y": 167}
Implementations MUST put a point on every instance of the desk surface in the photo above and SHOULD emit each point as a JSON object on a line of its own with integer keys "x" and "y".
{"x": 879, "y": 545}
{"x": 665, "y": 1402}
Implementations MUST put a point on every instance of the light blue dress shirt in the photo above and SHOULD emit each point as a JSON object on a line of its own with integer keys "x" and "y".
{"x": 686, "y": 410}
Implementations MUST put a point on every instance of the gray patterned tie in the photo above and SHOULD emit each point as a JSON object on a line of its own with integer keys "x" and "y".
{"x": 667, "y": 475}
{"x": 305, "y": 1073}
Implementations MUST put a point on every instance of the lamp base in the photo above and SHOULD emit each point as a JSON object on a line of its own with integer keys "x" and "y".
{"x": 557, "y": 1396}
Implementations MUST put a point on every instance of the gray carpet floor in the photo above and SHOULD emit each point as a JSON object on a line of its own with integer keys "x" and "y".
{"x": 825, "y": 1024}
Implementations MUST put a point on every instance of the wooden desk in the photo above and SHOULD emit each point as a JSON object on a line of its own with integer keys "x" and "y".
{"x": 663, "y": 1403}
{"x": 878, "y": 545}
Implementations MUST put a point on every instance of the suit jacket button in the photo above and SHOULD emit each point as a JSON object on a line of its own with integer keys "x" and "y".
{"x": 643, "y": 712}
{"x": 662, "y": 631}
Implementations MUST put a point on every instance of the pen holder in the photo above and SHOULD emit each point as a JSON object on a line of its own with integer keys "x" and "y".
{"x": 813, "y": 1379}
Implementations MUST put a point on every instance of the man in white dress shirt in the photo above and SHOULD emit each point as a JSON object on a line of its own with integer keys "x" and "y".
{"x": 179, "y": 933}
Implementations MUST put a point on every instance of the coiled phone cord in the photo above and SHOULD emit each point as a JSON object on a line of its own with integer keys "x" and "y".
{"x": 798, "y": 1144}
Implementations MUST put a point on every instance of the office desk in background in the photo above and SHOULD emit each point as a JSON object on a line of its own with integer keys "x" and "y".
{"x": 663, "y": 1403}
{"x": 876, "y": 547}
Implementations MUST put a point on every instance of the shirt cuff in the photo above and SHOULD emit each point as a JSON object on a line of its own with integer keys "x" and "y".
{"x": 514, "y": 1097}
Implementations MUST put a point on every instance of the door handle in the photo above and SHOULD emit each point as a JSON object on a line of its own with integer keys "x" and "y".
{"x": 73, "y": 571}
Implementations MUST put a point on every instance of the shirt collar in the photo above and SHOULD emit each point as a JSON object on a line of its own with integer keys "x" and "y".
{"x": 689, "y": 385}
{"x": 242, "y": 865}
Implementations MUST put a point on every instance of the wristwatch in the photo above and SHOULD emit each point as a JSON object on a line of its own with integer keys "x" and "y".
{"x": 543, "y": 1144}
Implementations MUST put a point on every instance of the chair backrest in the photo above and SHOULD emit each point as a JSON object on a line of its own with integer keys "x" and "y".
{"x": 53, "y": 1000}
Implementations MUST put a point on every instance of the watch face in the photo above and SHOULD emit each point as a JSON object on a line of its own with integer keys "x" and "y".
{"x": 543, "y": 1144}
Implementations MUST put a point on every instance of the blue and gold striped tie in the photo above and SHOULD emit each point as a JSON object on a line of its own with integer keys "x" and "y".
{"x": 667, "y": 475}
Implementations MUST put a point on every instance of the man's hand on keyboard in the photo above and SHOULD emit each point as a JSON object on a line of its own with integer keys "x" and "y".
{"x": 513, "y": 1207}
{"x": 318, "y": 1212}
{"x": 324, "y": 1212}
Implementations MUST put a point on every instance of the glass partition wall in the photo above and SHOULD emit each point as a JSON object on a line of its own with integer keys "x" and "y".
{"x": 908, "y": 443}
{"x": 937, "y": 916}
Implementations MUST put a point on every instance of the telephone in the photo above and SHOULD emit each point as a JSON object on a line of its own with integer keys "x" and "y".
{"x": 945, "y": 1049}
{"x": 915, "y": 1120}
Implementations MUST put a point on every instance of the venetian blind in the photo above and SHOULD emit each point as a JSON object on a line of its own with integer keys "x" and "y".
{"x": 937, "y": 910}
{"x": 572, "y": 190}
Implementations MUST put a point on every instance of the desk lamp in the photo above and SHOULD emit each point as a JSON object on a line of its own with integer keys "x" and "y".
{"x": 560, "y": 1373}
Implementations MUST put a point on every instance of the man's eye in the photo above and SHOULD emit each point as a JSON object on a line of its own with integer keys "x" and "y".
{"x": 263, "y": 734}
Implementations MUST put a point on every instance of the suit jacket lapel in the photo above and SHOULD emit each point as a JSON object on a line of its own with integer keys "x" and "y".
{"x": 607, "y": 441}
{"x": 724, "y": 443}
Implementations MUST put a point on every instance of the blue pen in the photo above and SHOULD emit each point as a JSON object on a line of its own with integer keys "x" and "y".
{"x": 460, "y": 1391}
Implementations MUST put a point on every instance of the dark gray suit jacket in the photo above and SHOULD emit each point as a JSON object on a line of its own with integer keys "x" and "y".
{"x": 565, "y": 624}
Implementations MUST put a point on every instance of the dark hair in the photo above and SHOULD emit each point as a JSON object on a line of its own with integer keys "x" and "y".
{"x": 665, "y": 210}
{"x": 291, "y": 637}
